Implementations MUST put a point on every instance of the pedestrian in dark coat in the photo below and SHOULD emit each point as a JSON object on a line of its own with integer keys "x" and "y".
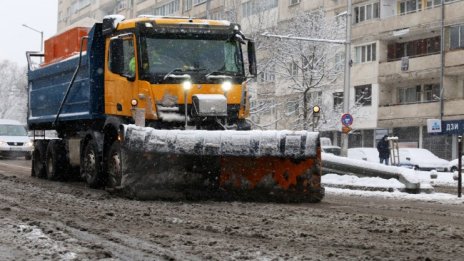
{"x": 384, "y": 150}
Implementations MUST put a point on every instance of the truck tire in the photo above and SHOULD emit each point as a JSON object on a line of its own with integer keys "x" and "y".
{"x": 38, "y": 159}
{"x": 113, "y": 166}
{"x": 91, "y": 170}
{"x": 55, "y": 160}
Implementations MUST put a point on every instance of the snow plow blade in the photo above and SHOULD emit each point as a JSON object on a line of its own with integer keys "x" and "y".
{"x": 281, "y": 166}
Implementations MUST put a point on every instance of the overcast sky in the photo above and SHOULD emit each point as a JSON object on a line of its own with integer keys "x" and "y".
{"x": 17, "y": 39}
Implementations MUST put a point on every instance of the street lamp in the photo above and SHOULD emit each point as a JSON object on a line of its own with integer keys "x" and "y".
{"x": 41, "y": 37}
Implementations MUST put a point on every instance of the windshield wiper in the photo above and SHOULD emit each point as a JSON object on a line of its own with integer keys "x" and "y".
{"x": 176, "y": 76}
{"x": 224, "y": 75}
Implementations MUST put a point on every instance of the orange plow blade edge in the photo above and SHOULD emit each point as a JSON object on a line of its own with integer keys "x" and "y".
{"x": 278, "y": 166}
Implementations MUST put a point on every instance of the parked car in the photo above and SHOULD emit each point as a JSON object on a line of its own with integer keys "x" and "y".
{"x": 327, "y": 147}
{"x": 367, "y": 154}
{"x": 14, "y": 141}
{"x": 422, "y": 159}
{"x": 453, "y": 165}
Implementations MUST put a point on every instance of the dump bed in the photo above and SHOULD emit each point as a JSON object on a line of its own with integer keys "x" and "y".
{"x": 48, "y": 85}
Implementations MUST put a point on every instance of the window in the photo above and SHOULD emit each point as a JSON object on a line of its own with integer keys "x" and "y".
{"x": 197, "y": 2}
{"x": 293, "y": 2}
{"x": 292, "y": 107}
{"x": 431, "y": 92}
{"x": 168, "y": 8}
{"x": 366, "y": 12}
{"x": 315, "y": 97}
{"x": 363, "y": 94}
{"x": 337, "y": 101}
{"x": 435, "y": 3}
{"x": 410, "y": 6}
{"x": 415, "y": 48}
{"x": 187, "y": 5}
{"x": 339, "y": 61}
{"x": 294, "y": 68}
{"x": 457, "y": 37}
{"x": 366, "y": 53}
{"x": 121, "y": 5}
{"x": 254, "y": 6}
{"x": 409, "y": 95}
{"x": 268, "y": 74}
{"x": 122, "y": 56}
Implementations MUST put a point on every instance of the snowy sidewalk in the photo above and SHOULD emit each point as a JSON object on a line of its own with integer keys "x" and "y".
{"x": 391, "y": 188}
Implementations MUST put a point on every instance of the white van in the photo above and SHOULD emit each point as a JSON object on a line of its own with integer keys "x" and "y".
{"x": 14, "y": 141}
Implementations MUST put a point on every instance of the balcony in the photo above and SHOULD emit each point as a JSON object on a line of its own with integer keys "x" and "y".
{"x": 422, "y": 67}
{"x": 407, "y": 114}
{"x": 419, "y": 22}
{"x": 419, "y": 68}
{"x": 417, "y": 114}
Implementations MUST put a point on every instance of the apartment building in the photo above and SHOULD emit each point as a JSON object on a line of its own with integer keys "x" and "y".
{"x": 396, "y": 69}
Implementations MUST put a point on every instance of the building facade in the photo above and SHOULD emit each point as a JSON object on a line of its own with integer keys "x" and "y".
{"x": 400, "y": 75}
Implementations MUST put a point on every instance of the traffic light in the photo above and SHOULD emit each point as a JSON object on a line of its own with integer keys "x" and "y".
{"x": 316, "y": 111}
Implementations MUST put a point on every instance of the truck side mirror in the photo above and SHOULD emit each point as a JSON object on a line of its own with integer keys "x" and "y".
{"x": 252, "y": 58}
{"x": 116, "y": 57}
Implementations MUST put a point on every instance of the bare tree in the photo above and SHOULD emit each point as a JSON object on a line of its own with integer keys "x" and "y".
{"x": 306, "y": 69}
{"x": 13, "y": 90}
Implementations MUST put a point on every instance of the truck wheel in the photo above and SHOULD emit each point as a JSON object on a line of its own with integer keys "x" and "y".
{"x": 91, "y": 165}
{"x": 55, "y": 160}
{"x": 113, "y": 165}
{"x": 38, "y": 160}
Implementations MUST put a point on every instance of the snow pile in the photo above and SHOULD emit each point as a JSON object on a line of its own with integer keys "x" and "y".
{"x": 348, "y": 180}
{"x": 432, "y": 197}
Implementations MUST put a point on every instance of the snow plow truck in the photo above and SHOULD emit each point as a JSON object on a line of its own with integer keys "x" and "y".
{"x": 156, "y": 108}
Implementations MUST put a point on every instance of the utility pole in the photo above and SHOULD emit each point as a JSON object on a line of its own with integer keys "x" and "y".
{"x": 347, "y": 80}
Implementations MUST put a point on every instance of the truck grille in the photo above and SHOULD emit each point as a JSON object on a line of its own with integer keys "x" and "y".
{"x": 15, "y": 143}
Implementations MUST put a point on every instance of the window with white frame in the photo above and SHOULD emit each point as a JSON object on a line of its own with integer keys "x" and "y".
{"x": 187, "y": 5}
{"x": 339, "y": 60}
{"x": 293, "y": 2}
{"x": 254, "y": 6}
{"x": 435, "y": 3}
{"x": 315, "y": 97}
{"x": 294, "y": 68}
{"x": 168, "y": 8}
{"x": 363, "y": 94}
{"x": 419, "y": 93}
{"x": 457, "y": 37}
{"x": 197, "y": 2}
{"x": 365, "y": 53}
{"x": 409, "y": 95}
{"x": 410, "y": 6}
{"x": 366, "y": 12}
{"x": 268, "y": 74}
{"x": 293, "y": 106}
{"x": 431, "y": 92}
{"x": 337, "y": 101}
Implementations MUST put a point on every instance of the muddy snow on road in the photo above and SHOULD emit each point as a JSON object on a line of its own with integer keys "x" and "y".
{"x": 65, "y": 221}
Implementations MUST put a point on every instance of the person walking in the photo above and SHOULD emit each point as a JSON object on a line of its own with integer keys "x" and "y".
{"x": 384, "y": 150}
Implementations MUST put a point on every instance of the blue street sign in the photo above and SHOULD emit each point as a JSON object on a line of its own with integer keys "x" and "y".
{"x": 347, "y": 119}
{"x": 452, "y": 127}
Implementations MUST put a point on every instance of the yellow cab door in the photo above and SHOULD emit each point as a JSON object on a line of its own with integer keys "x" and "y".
{"x": 120, "y": 74}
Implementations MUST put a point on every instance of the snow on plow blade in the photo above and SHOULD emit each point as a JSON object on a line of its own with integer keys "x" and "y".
{"x": 228, "y": 165}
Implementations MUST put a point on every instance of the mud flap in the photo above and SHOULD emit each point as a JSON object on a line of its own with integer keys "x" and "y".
{"x": 227, "y": 165}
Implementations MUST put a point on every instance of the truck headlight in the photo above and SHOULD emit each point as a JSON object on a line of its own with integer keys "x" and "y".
{"x": 226, "y": 86}
{"x": 187, "y": 85}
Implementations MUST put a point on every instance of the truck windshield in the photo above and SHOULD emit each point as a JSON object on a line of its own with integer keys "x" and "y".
{"x": 160, "y": 56}
{"x": 12, "y": 130}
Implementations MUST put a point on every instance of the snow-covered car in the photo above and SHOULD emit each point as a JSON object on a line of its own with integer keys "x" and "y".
{"x": 367, "y": 154}
{"x": 14, "y": 141}
{"x": 453, "y": 165}
{"x": 327, "y": 147}
{"x": 422, "y": 159}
